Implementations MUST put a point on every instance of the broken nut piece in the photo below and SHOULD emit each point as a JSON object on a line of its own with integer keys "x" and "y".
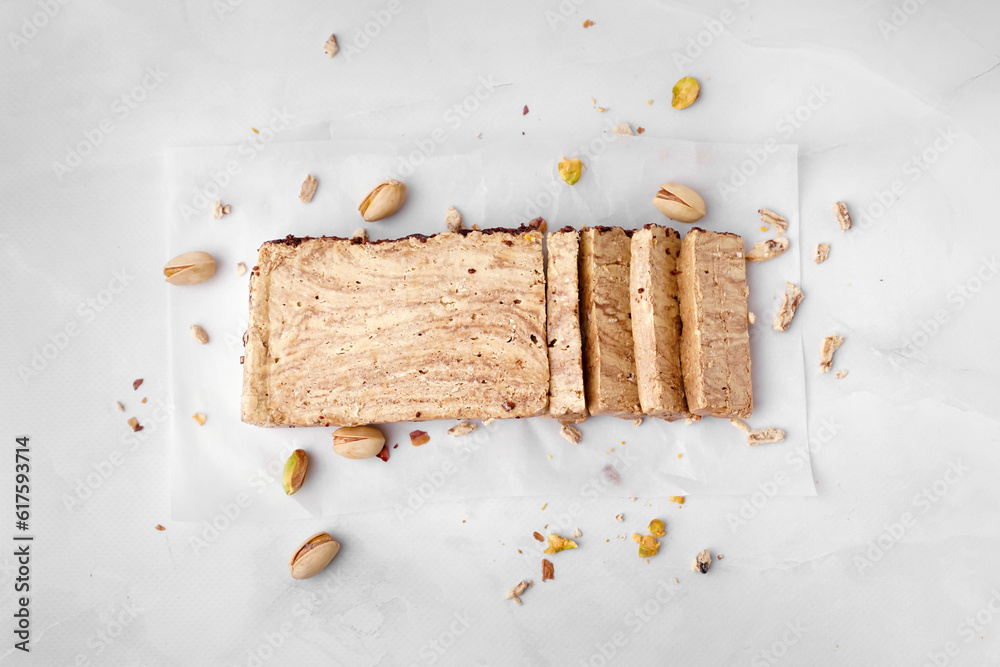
{"x": 570, "y": 170}
{"x": 453, "y": 219}
{"x": 418, "y": 438}
{"x": 830, "y": 345}
{"x": 134, "y": 423}
{"x": 649, "y": 546}
{"x": 330, "y": 47}
{"x": 241, "y": 269}
{"x": 702, "y": 561}
{"x": 218, "y": 210}
{"x": 557, "y": 544}
{"x": 462, "y": 428}
{"x": 624, "y": 128}
{"x": 515, "y": 593}
{"x": 686, "y": 91}
{"x": 763, "y": 436}
{"x": 385, "y": 199}
{"x": 294, "y": 473}
{"x": 548, "y": 570}
{"x": 308, "y": 189}
{"x": 790, "y": 301}
{"x": 843, "y": 216}
{"x": 679, "y": 202}
{"x": 199, "y": 417}
{"x": 313, "y": 555}
{"x": 199, "y": 334}
{"x": 657, "y": 528}
{"x": 769, "y": 249}
{"x": 571, "y": 433}
{"x": 822, "y": 253}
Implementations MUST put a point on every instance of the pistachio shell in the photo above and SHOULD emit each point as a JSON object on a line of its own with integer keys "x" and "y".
{"x": 313, "y": 555}
{"x": 190, "y": 268}
{"x": 295, "y": 471}
{"x": 358, "y": 442}
{"x": 384, "y": 200}
{"x": 679, "y": 202}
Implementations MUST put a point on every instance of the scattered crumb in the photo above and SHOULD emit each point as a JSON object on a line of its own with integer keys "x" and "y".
{"x": 479, "y": 135}
{"x": 822, "y": 253}
{"x": 571, "y": 433}
{"x": 255, "y": 130}
{"x": 384, "y": 453}
{"x": 218, "y": 210}
{"x": 676, "y": 581}
{"x": 330, "y": 47}
{"x": 676, "y": 499}
{"x": 159, "y": 527}
{"x": 740, "y": 424}
{"x": 462, "y": 428}
{"x": 525, "y": 112}
{"x": 649, "y": 102}
{"x": 769, "y": 249}
{"x": 772, "y": 219}
{"x": 134, "y": 423}
{"x": 588, "y": 23}
{"x": 612, "y": 474}
{"x": 538, "y": 536}
{"x": 790, "y": 301}
{"x": 841, "y": 374}
{"x": 593, "y": 100}
{"x": 602, "y": 109}
{"x": 751, "y": 318}
{"x": 624, "y": 128}
{"x": 830, "y": 345}
{"x": 548, "y": 571}
{"x": 241, "y": 268}
{"x": 649, "y": 546}
{"x": 636, "y": 537}
{"x": 632, "y": 498}
{"x": 143, "y": 400}
{"x": 360, "y": 235}
{"x": 680, "y": 456}
{"x": 453, "y": 219}
{"x": 719, "y": 557}
{"x": 488, "y": 420}
{"x": 702, "y": 561}
{"x": 619, "y": 517}
{"x": 577, "y": 533}
{"x": 640, "y": 129}
{"x": 199, "y": 334}
{"x": 544, "y": 505}
{"x": 199, "y": 417}
{"x": 657, "y": 528}
{"x": 515, "y": 593}
{"x": 418, "y": 438}
{"x": 763, "y": 228}
{"x": 136, "y": 384}
{"x": 843, "y": 216}
{"x": 121, "y": 408}
{"x": 764, "y": 436}
{"x": 308, "y": 189}
{"x": 637, "y": 422}
{"x": 557, "y": 544}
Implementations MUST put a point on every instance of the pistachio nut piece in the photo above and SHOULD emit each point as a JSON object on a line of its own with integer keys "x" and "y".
{"x": 657, "y": 528}
{"x": 190, "y": 268}
{"x": 383, "y": 201}
{"x": 358, "y": 442}
{"x": 685, "y": 91}
{"x": 295, "y": 471}
{"x": 679, "y": 202}
{"x": 313, "y": 555}
{"x": 570, "y": 170}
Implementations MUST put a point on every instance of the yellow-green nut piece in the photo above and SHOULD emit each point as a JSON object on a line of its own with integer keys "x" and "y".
{"x": 570, "y": 170}
{"x": 657, "y": 528}
{"x": 295, "y": 471}
{"x": 686, "y": 91}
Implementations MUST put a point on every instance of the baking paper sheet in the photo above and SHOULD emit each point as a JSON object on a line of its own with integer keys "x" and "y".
{"x": 227, "y": 467}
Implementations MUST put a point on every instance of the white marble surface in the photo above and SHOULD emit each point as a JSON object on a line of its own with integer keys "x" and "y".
{"x": 892, "y": 105}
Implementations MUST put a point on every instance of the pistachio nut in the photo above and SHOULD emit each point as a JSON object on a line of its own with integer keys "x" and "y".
{"x": 383, "y": 201}
{"x": 190, "y": 268}
{"x": 295, "y": 471}
{"x": 657, "y": 528}
{"x": 648, "y": 546}
{"x": 686, "y": 91}
{"x": 358, "y": 442}
{"x": 313, "y": 555}
{"x": 679, "y": 202}
{"x": 570, "y": 170}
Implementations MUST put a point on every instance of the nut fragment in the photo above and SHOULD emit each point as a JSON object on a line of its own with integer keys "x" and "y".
{"x": 199, "y": 417}
{"x": 418, "y": 438}
{"x": 134, "y": 423}
{"x": 384, "y": 453}
{"x": 822, "y": 253}
{"x": 515, "y": 593}
{"x": 702, "y": 561}
{"x": 686, "y": 91}
{"x": 462, "y": 428}
{"x": 571, "y": 433}
{"x": 624, "y": 128}
{"x": 295, "y": 471}
{"x": 538, "y": 536}
{"x": 843, "y": 216}
{"x": 790, "y": 301}
{"x": 121, "y": 408}
{"x": 619, "y": 517}
{"x": 360, "y": 235}
{"x": 190, "y": 268}
{"x": 740, "y": 424}
{"x": 679, "y": 202}
{"x": 241, "y": 269}
{"x": 313, "y": 555}
{"x": 676, "y": 499}
{"x": 763, "y": 436}
{"x": 199, "y": 334}
{"x": 557, "y": 544}
{"x": 358, "y": 442}
{"x": 769, "y": 217}
{"x": 841, "y": 374}
{"x": 453, "y": 219}
{"x": 769, "y": 249}
{"x": 308, "y": 189}
{"x": 570, "y": 170}
{"x": 385, "y": 199}
{"x": 577, "y": 533}
{"x": 751, "y": 318}
{"x": 649, "y": 546}
{"x": 657, "y": 528}
{"x": 330, "y": 46}
{"x": 136, "y": 384}
{"x": 548, "y": 571}
{"x": 159, "y": 527}
{"x": 218, "y": 210}
{"x": 830, "y": 345}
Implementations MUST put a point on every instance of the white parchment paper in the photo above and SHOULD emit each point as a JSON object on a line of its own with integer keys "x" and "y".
{"x": 226, "y": 467}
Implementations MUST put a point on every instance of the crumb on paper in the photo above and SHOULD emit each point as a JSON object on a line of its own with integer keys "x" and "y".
{"x": 577, "y": 532}
{"x": 612, "y": 474}
{"x": 719, "y": 557}
{"x": 538, "y": 536}
{"x": 588, "y": 23}
{"x": 308, "y": 189}
{"x": 842, "y": 214}
{"x": 624, "y": 128}
{"x": 548, "y": 571}
{"x": 255, "y": 130}
{"x": 649, "y": 102}
{"x": 488, "y": 420}
{"x": 330, "y": 47}
{"x": 461, "y": 428}
{"x": 790, "y": 301}
{"x": 199, "y": 334}
{"x": 121, "y": 408}
{"x": 822, "y": 253}
{"x": 479, "y": 135}
{"x": 640, "y": 129}
{"x": 571, "y": 433}
{"x": 619, "y": 517}
{"x": 134, "y": 423}
{"x": 739, "y": 424}
{"x": 199, "y": 417}
{"x": 418, "y": 438}
{"x": 557, "y": 544}
{"x": 516, "y": 592}
{"x": 677, "y": 499}
{"x": 772, "y": 219}
{"x": 841, "y": 374}
{"x": 829, "y": 346}
{"x": 384, "y": 453}
{"x": 143, "y": 400}
{"x": 632, "y": 498}
{"x": 218, "y": 210}
{"x": 525, "y": 112}
{"x": 769, "y": 249}
{"x": 544, "y": 505}
{"x": 765, "y": 436}
{"x": 676, "y": 581}
{"x": 702, "y": 561}
{"x": 159, "y": 527}
{"x": 636, "y": 537}
{"x": 637, "y": 422}
{"x": 136, "y": 384}
{"x": 360, "y": 235}
{"x": 241, "y": 269}
{"x": 751, "y": 318}
{"x": 453, "y": 219}
{"x": 602, "y": 109}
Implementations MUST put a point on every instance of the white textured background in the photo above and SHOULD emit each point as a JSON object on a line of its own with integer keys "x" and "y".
{"x": 893, "y": 107}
